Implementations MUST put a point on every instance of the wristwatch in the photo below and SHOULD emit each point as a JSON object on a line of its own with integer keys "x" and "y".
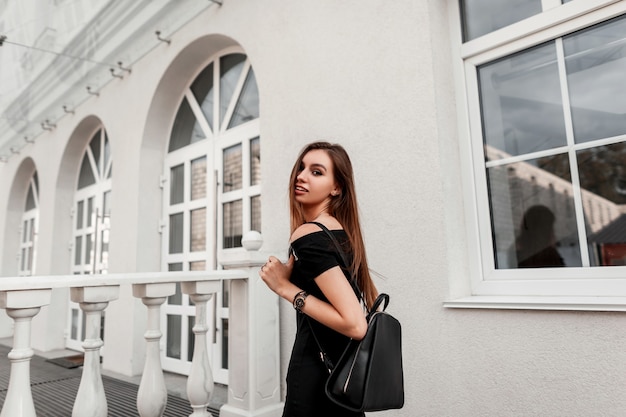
{"x": 298, "y": 301}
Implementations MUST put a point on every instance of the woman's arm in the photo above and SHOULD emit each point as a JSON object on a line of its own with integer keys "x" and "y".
{"x": 342, "y": 313}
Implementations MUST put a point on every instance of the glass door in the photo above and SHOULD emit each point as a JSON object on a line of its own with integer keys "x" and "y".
{"x": 91, "y": 225}
{"x": 208, "y": 197}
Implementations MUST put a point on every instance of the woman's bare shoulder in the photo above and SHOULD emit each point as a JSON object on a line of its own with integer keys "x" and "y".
{"x": 308, "y": 228}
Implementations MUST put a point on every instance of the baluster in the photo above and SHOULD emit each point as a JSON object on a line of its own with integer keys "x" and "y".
{"x": 200, "y": 382}
{"x": 90, "y": 398}
{"x": 21, "y": 306}
{"x": 254, "y": 377}
{"x": 152, "y": 395}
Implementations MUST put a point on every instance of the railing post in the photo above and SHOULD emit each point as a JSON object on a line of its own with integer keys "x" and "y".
{"x": 21, "y": 306}
{"x": 200, "y": 381}
{"x": 90, "y": 399}
{"x": 253, "y": 343}
{"x": 152, "y": 395}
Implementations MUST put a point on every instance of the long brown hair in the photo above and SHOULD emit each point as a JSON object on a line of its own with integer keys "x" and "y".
{"x": 343, "y": 207}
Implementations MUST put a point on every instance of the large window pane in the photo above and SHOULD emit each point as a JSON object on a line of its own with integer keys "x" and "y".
{"x": 80, "y": 207}
{"x": 173, "y": 336}
{"x": 255, "y": 213}
{"x": 202, "y": 89}
{"x": 78, "y": 249}
{"x": 85, "y": 177}
{"x": 255, "y": 161}
{"x": 602, "y": 172}
{"x": 176, "y": 233}
{"x": 521, "y": 103}
{"x": 230, "y": 71}
{"x": 191, "y": 338}
{"x": 198, "y": 178}
{"x": 533, "y": 216}
{"x": 30, "y": 199}
{"x": 483, "y": 16}
{"x": 177, "y": 298}
{"x": 233, "y": 227}
{"x": 247, "y": 107}
{"x": 197, "y": 234}
{"x": 186, "y": 129}
{"x": 233, "y": 168}
{"x": 596, "y": 63}
{"x": 177, "y": 184}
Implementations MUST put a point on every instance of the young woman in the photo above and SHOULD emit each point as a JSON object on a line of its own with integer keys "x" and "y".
{"x": 321, "y": 189}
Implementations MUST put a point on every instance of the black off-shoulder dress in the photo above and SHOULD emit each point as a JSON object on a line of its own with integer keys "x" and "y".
{"x": 314, "y": 254}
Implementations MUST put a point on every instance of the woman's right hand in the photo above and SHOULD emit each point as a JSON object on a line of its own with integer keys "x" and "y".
{"x": 276, "y": 276}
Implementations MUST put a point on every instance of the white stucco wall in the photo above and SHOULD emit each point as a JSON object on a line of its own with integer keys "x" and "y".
{"x": 377, "y": 77}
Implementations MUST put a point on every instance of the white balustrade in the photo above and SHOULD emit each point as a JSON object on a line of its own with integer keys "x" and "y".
{"x": 200, "y": 381}
{"x": 152, "y": 395}
{"x": 253, "y": 345}
{"x": 21, "y": 306}
{"x": 254, "y": 386}
{"x": 91, "y": 399}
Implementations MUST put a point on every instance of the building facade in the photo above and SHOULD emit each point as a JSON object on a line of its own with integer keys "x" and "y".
{"x": 153, "y": 138}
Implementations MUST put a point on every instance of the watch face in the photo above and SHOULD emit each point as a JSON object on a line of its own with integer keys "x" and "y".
{"x": 300, "y": 303}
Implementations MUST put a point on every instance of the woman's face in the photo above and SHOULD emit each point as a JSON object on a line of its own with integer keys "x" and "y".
{"x": 315, "y": 182}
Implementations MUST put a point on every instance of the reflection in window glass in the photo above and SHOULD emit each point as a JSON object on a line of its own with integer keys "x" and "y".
{"x": 191, "y": 338}
{"x": 94, "y": 144}
{"x": 202, "y": 89}
{"x": 106, "y": 203}
{"x": 24, "y": 231}
{"x": 176, "y": 233}
{"x": 186, "y": 129}
{"x": 80, "y": 207}
{"x": 484, "y": 16}
{"x": 197, "y": 232}
{"x": 74, "y": 330}
{"x": 602, "y": 172}
{"x": 247, "y": 107}
{"x": 86, "y": 177}
{"x": 533, "y": 216}
{"x": 173, "y": 336}
{"x": 232, "y": 168}
{"x": 226, "y": 293}
{"x": 198, "y": 178}
{"x": 230, "y": 70}
{"x": 177, "y": 181}
{"x": 30, "y": 199}
{"x": 596, "y": 63}
{"x": 88, "y": 249}
{"x": 176, "y": 298}
{"x": 78, "y": 249}
{"x": 197, "y": 266}
{"x": 255, "y": 161}
{"x": 521, "y": 102}
{"x": 90, "y": 211}
{"x": 255, "y": 213}
{"x": 225, "y": 343}
{"x": 107, "y": 150}
{"x": 232, "y": 227}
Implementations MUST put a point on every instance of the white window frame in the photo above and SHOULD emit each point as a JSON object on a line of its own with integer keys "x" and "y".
{"x": 586, "y": 288}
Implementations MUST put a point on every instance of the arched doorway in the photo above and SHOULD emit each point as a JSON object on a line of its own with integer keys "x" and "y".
{"x": 212, "y": 189}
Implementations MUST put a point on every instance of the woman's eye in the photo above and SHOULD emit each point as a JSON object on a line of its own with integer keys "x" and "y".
{"x": 316, "y": 172}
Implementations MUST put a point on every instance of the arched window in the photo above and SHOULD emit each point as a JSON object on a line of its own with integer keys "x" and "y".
{"x": 213, "y": 187}
{"x": 29, "y": 227}
{"x": 91, "y": 221}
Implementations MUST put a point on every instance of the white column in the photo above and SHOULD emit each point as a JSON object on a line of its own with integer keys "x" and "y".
{"x": 200, "y": 381}
{"x": 152, "y": 395}
{"x": 90, "y": 398}
{"x": 253, "y": 343}
{"x": 21, "y": 306}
